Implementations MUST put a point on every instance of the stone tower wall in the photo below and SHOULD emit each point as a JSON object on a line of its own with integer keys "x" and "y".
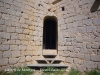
{"x": 21, "y": 32}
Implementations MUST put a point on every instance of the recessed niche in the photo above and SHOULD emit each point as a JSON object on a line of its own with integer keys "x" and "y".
{"x": 63, "y": 8}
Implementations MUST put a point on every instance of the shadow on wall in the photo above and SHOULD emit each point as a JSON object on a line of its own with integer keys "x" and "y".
{"x": 95, "y": 6}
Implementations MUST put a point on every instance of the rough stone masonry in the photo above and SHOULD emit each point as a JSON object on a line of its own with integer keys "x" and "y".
{"x": 21, "y": 32}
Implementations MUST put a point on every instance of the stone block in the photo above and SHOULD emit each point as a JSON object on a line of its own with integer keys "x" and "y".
{"x": 25, "y": 15}
{"x": 28, "y": 58}
{"x": 88, "y": 45}
{"x": 5, "y": 16}
{"x": 22, "y": 20}
{"x": 3, "y": 28}
{"x": 88, "y": 22}
{"x": 4, "y": 47}
{"x": 90, "y": 64}
{"x": 18, "y": 13}
{"x": 3, "y": 10}
{"x": 16, "y": 53}
{"x": 79, "y": 24}
{"x": 22, "y": 59}
{"x": 3, "y": 61}
{"x": 1, "y": 54}
{"x": 80, "y": 55}
{"x": 14, "y": 36}
{"x": 21, "y": 36}
{"x": 68, "y": 43}
{"x": 64, "y": 48}
{"x": 28, "y": 22}
{"x": 69, "y": 25}
{"x": 2, "y": 22}
{"x": 78, "y": 61}
{"x": 87, "y": 57}
{"x": 22, "y": 47}
{"x": 10, "y": 29}
{"x": 1, "y": 4}
{"x": 26, "y": 31}
{"x": 29, "y": 53}
{"x": 91, "y": 28}
{"x": 72, "y": 54}
{"x": 11, "y": 11}
{"x": 95, "y": 57}
{"x": 98, "y": 28}
{"x": 69, "y": 60}
{"x": 6, "y": 54}
{"x": 98, "y": 65}
{"x": 77, "y": 50}
{"x": 70, "y": 48}
{"x": 19, "y": 30}
{"x": 82, "y": 29}
{"x": 97, "y": 39}
{"x": 95, "y": 46}
{"x": 18, "y": 42}
{"x": 14, "y": 47}
{"x": 11, "y": 41}
{"x": 13, "y": 61}
{"x": 96, "y": 21}
{"x": 17, "y": 24}
{"x": 8, "y": 23}
{"x": 5, "y": 35}
{"x": 66, "y": 53}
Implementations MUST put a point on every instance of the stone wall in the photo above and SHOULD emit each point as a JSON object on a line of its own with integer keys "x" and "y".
{"x": 21, "y": 32}
{"x": 16, "y": 32}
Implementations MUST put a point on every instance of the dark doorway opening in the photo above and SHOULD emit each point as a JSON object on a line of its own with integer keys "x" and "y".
{"x": 50, "y": 33}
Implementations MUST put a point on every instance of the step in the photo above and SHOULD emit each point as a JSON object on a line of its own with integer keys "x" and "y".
{"x": 49, "y": 59}
{"x": 49, "y": 55}
{"x": 48, "y": 65}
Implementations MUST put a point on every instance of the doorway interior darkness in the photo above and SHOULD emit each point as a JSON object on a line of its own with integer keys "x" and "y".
{"x": 50, "y": 33}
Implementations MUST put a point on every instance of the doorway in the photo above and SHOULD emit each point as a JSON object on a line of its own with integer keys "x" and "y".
{"x": 50, "y": 33}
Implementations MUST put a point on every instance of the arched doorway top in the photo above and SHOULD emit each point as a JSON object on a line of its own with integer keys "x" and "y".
{"x": 50, "y": 17}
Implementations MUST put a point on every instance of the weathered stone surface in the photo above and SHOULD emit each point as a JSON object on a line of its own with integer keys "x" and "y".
{"x": 21, "y": 32}
{"x": 5, "y": 16}
{"x": 95, "y": 57}
{"x": 11, "y": 29}
{"x": 4, "y": 47}
{"x": 87, "y": 57}
{"x": 78, "y": 61}
{"x": 3, "y": 61}
{"x": 95, "y": 46}
{"x": 88, "y": 22}
{"x": 7, "y": 54}
{"x": 90, "y": 64}
{"x": 28, "y": 58}
{"x": 98, "y": 65}
{"x": 13, "y": 60}
{"x": 21, "y": 36}
{"x": 69, "y": 60}
{"x": 22, "y": 47}
{"x": 96, "y": 21}
{"x": 16, "y": 53}
{"x": 1, "y": 54}
{"x": 22, "y": 20}
{"x": 14, "y": 36}
{"x": 22, "y": 59}
{"x": 91, "y": 28}
{"x": 14, "y": 47}
{"x": 5, "y": 35}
